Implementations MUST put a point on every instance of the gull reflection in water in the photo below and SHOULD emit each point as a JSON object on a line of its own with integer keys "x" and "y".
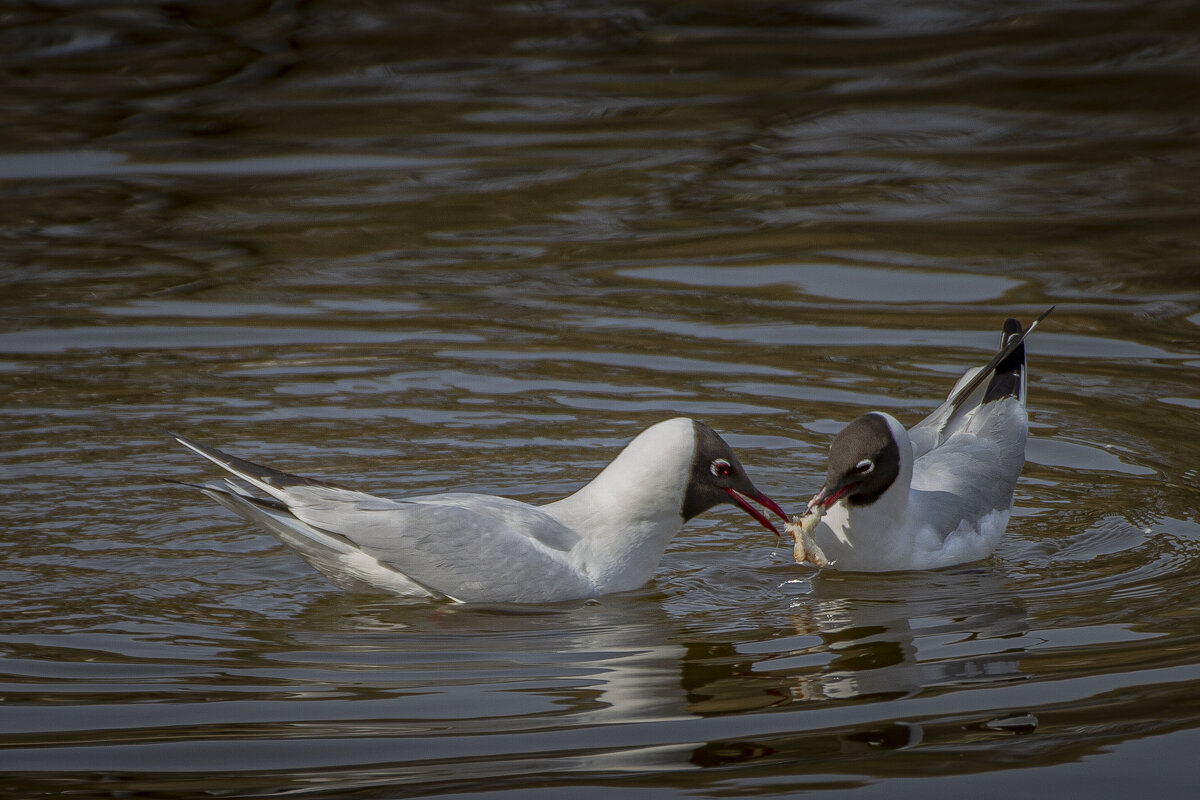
{"x": 895, "y": 635}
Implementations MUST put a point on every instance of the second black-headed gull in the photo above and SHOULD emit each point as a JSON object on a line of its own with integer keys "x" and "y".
{"x": 936, "y": 495}
{"x": 607, "y": 537}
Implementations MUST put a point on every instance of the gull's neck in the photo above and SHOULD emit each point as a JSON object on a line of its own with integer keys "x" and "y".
{"x": 628, "y": 513}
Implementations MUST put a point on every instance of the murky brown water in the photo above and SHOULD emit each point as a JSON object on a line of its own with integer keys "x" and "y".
{"x": 465, "y": 245}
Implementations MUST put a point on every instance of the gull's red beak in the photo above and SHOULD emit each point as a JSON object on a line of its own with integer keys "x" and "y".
{"x": 825, "y": 500}
{"x": 742, "y": 501}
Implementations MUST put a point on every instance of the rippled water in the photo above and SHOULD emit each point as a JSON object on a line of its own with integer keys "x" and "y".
{"x": 412, "y": 247}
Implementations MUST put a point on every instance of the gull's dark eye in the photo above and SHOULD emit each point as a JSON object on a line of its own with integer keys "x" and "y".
{"x": 721, "y": 467}
{"x": 865, "y": 466}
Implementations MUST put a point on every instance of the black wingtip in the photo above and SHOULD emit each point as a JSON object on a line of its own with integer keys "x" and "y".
{"x": 264, "y": 502}
{"x": 1012, "y": 327}
{"x": 1006, "y": 378}
{"x": 267, "y": 475}
{"x": 1012, "y": 342}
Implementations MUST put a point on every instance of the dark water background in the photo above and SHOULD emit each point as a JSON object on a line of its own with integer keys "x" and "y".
{"x": 419, "y": 246}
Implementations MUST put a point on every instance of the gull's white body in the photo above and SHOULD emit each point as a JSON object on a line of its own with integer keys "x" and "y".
{"x": 609, "y": 536}
{"x": 952, "y": 500}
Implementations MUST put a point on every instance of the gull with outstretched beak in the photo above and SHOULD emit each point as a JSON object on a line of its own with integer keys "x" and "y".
{"x": 607, "y": 537}
{"x": 933, "y": 496}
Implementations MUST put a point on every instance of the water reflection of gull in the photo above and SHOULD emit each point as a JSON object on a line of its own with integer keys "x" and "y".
{"x": 621, "y": 685}
{"x": 899, "y": 635}
{"x": 606, "y": 661}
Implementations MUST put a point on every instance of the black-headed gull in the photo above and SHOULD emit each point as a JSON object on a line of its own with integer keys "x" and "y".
{"x": 933, "y": 496}
{"x": 607, "y": 537}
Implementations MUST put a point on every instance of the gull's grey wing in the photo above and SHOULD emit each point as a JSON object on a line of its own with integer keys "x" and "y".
{"x": 479, "y": 544}
{"x": 974, "y": 471}
{"x": 485, "y": 547}
{"x": 332, "y": 555}
{"x": 935, "y": 428}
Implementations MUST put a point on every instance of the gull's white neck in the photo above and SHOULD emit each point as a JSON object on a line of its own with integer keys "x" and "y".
{"x": 877, "y": 532}
{"x": 629, "y": 512}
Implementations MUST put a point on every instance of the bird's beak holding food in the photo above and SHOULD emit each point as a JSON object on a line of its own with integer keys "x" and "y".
{"x": 825, "y": 498}
{"x": 821, "y": 502}
{"x": 742, "y": 501}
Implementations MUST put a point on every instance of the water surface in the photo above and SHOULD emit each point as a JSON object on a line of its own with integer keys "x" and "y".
{"x": 414, "y": 247}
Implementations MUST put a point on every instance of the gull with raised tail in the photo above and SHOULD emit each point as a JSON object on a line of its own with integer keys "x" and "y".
{"x": 607, "y": 537}
{"x": 933, "y": 496}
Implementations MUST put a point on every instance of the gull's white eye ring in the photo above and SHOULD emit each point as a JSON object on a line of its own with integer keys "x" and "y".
{"x": 721, "y": 467}
{"x": 865, "y": 466}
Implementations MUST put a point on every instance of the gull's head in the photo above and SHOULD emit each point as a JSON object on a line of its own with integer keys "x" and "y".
{"x": 717, "y": 476}
{"x": 864, "y": 462}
